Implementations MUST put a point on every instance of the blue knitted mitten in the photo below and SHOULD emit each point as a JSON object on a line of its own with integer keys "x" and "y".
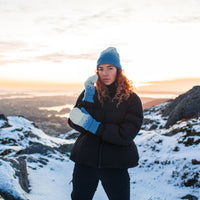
{"x": 82, "y": 118}
{"x": 90, "y": 89}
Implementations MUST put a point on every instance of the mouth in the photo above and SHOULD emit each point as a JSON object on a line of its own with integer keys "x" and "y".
{"x": 106, "y": 79}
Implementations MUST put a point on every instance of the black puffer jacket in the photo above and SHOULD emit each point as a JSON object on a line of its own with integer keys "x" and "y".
{"x": 112, "y": 146}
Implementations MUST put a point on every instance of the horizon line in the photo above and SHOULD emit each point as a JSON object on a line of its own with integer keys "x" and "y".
{"x": 7, "y": 82}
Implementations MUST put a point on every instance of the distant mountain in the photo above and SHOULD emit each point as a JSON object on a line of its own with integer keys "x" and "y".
{"x": 36, "y": 166}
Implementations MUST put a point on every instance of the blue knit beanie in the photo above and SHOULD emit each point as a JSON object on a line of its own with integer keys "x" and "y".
{"x": 109, "y": 56}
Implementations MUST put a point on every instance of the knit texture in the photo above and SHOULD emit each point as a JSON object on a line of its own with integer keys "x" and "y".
{"x": 82, "y": 118}
{"x": 89, "y": 88}
{"x": 109, "y": 56}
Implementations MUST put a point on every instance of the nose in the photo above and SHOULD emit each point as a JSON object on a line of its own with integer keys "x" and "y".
{"x": 105, "y": 71}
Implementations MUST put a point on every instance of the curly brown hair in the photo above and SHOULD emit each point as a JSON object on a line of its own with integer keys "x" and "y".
{"x": 124, "y": 87}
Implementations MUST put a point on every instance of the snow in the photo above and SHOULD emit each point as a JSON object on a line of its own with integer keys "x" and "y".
{"x": 8, "y": 181}
{"x": 51, "y": 181}
{"x": 196, "y": 128}
{"x": 165, "y": 162}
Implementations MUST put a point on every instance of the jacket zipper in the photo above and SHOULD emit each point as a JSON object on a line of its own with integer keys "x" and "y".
{"x": 100, "y": 147}
{"x": 100, "y": 152}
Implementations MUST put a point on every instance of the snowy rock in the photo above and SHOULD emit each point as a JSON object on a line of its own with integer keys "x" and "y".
{"x": 73, "y": 134}
{"x": 37, "y": 148}
{"x": 20, "y": 167}
{"x": 3, "y": 121}
{"x": 9, "y": 184}
{"x": 23, "y": 148}
{"x": 184, "y": 106}
{"x": 190, "y": 197}
{"x": 169, "y": 165}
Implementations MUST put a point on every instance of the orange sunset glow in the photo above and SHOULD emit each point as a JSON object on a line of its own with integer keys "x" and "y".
{"x": 60, "y": 43}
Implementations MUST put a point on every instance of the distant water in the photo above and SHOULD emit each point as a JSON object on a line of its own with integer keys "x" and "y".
{"x": 159, "y": 95}
{"x": 11, "y": 93}
{"x": 75, "y": 93}
{"x": 69, "y": 90}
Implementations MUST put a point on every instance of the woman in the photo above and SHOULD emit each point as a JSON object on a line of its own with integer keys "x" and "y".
{"x": 108, "y": 116}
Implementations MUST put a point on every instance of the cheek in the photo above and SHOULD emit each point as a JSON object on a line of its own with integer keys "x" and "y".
{"x": 100, "y": 76}
{"x": 114, "y": 75}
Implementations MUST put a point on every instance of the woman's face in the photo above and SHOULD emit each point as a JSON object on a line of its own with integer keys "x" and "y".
{"x": 107, "y": 73}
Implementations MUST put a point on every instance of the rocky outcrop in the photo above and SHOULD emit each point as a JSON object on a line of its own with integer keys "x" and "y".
{"x": 37, "y": 148}
{"x": 184, "y": 106}
{"x": 4, "y": 121}
{"x": 20, "y": 167}
{"x": 20, "y": 140}
{"x": 15, "y": 179}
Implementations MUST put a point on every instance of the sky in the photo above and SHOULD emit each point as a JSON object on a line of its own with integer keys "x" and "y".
{"x": 61, "y": 40}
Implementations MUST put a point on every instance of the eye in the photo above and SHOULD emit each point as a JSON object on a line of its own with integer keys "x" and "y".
{"x": 110, "y": 68}
{"x": 100, "y": 69}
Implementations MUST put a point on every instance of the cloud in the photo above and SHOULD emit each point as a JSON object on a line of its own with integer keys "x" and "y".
{"x": 5, "y": 62}
{"x": 186, "y": 19}
{"x": 53, "y": 57}
{"x": 9, "y": 46}
{"x": 59, "y": 57}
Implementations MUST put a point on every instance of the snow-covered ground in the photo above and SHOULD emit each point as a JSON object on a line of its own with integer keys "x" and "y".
{"x": 169, "y": 166}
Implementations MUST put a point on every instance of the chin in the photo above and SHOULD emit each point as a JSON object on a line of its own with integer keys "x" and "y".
{"x": 108, "y": 83}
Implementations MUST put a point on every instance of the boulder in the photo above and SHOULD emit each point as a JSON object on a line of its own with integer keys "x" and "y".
{"x": 185, "y": 106}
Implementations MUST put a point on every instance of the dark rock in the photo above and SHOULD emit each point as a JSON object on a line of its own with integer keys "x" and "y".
{"x": 6, "y": 152}
{"x": 184, "y": 106}
{"x": 190, "y": 142}
{"x": 147, "y": 121}
{"x": 153, "y": 127}
{"x": 173, "y": 132}
{"x": 20, "y": 168}
{"x": 195, "y": 162}
{"x": 176, "y": 148}
{"x": 42, "y": 161}
{"x": 37, "y": 148}
{"x": 65, "y": 148}
{"x": 192, "y": 180}
{"x": 189, "y": 197}
{"x": 8, "y": 141}
{"x": 189, "y": 135}
{"x": 73, "y": 136}
{"x": 4, "y": 118}
{"x": 21, "y": 171}
{"x": 8, "y": 196}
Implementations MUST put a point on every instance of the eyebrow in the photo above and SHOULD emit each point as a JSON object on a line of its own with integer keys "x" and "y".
{"x": 107, "y": 66}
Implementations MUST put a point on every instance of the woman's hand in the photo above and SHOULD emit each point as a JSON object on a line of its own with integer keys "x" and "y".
{"x": 89, "y": 88}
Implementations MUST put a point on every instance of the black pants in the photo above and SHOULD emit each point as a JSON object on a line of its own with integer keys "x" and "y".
{"x": 116, "y": 182}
